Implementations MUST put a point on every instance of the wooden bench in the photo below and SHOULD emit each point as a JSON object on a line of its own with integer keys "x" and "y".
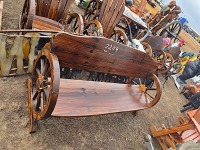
{"x": 51, "y": 96}
{"x": 50, "y": 15}
{"x": 188, "y": 130}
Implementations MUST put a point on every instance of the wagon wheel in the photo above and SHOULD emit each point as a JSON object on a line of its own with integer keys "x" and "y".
{"x": 73, "y": 24}
{"x": 147, "y": 48}
{"x": 93, "y": 28}
{"x": 176, "y": 68}
{"x": 92, "y": 9}
{"x": 125, "y": 26}
{"x": 160, "y": 58}
{"x": 168, "y": 64}
{"x": 151, "y": 87}
{"x": 28, "y": 12}
{"x": 172, "y": 30}
{"x": 45, "y": 85}
{"x": 119, "y": 36}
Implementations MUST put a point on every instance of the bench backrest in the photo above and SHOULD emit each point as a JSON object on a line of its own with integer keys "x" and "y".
{"x": 110, "y": 14}
{"x": 158, "y": 45}
{"x": 100, "y": 54}
{"x": 53, "y": 9}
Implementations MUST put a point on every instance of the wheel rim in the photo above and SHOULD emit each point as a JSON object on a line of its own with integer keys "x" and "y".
{"x": 92, "y": 10}
{"x": 147, "y": 48}
{"x": 93, "y": 28}
{"x": 119, "y": 36}
{"x": 45, "y": 85}
{"x": 176, "y": 68}
{"x": 160, "y": 58}
{"x": 28, "y": 13}
{"x": 172, "y": 30}
{"x": 74, "y": 24}
{"x": 168, "y": 64}
{"x": 151, "y": 87}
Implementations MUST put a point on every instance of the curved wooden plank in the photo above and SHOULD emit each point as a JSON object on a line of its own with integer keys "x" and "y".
{"x": 102, "y": 55}
{"x": 83, "y": 98}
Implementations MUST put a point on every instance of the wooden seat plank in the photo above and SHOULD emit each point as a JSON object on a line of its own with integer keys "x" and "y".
{"x": 83, "y": 98}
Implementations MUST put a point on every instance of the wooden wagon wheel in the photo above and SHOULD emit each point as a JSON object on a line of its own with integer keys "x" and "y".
{"x": 119, "y": 36}
{"x": 44, "y": 88}
{"x": 168, "y": 64}
{"x": 92, "y": 9}
{"x": 147, "y": 48}
{"x": 125, "y": 26}
{"x": 172, "y": 30}
{"x": 151, "y": 87}
{"x": 176, "y": 68}
{"x": 160, "y": 58}
{"x": 28, "y": 12}
{"x": 93, "y": 28}
{"x": 73, "y": 24}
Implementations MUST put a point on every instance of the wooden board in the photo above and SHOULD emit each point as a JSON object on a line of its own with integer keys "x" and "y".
{"x": 83, "y": 98}
{"x": 1, "y": 10}
{"x": 43, "y": 23}
{"x": 102, "y": 55}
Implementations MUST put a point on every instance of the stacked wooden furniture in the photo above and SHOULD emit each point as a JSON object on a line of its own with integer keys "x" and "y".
{"x": 49, "y": 15}
{"x": 187, "y": 130}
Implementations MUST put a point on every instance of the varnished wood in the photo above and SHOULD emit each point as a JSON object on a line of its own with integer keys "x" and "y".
{"x": 188, "y": 130}
{"x": 53, "y": 9}
{"x": 83, "y": 98}
{"x": 91, "y": 54}
{"x": 158, "y": 45}
{"x": 1, "y": 10}
{"x": 43, "y": 23}
{"x": 110, "y": 14}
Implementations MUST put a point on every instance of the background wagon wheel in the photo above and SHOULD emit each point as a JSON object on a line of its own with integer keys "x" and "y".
{"x": 28, "y": 12}
{"x": 74, "y": 24}
{"x": 124, "y": 25}
{"x": 45, "y": 85}
{"x": 176, "y": 68}
{"x": 151, "y": 87}
{"x": 93, "y": 28}
{"x": 160, "y": 58}
{"x": 119, "y": 36}
{"x": 172, "y": 30}
{"x": 168, "y": 64}
{"x": 147, "y": 48}
{"x": 92, "y": 9}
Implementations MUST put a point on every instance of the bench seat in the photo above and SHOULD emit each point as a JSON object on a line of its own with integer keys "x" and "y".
{"x": 84, "y": 98}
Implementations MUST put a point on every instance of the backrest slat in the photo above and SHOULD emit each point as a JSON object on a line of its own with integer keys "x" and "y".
{"x": 53, "y": 9}
{"x": 110, "y": 14}
{"x": 101, "y": 55}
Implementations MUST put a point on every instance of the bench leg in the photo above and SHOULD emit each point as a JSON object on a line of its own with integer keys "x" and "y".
{"x": 134, "y": 113}
{"x": 33, "y": 125}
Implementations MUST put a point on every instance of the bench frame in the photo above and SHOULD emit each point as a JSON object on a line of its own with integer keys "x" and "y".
{"x": 43, "y": 86}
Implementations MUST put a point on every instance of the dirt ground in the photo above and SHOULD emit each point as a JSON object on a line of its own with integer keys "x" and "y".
{"x": 120, "y": 131}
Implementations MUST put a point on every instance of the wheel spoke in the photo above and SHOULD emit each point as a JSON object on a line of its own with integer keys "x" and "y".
{"x": 38, "y": 71}
{"x": 149, "y": 95}
{"x": 37, "y": 107}
{"x": 153, "y": 89}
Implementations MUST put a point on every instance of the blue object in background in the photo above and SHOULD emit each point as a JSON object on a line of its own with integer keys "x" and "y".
{"x": 183, "y": 20}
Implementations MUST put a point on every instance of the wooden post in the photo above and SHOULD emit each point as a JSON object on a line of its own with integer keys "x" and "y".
{"x": 1, "y": 10}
